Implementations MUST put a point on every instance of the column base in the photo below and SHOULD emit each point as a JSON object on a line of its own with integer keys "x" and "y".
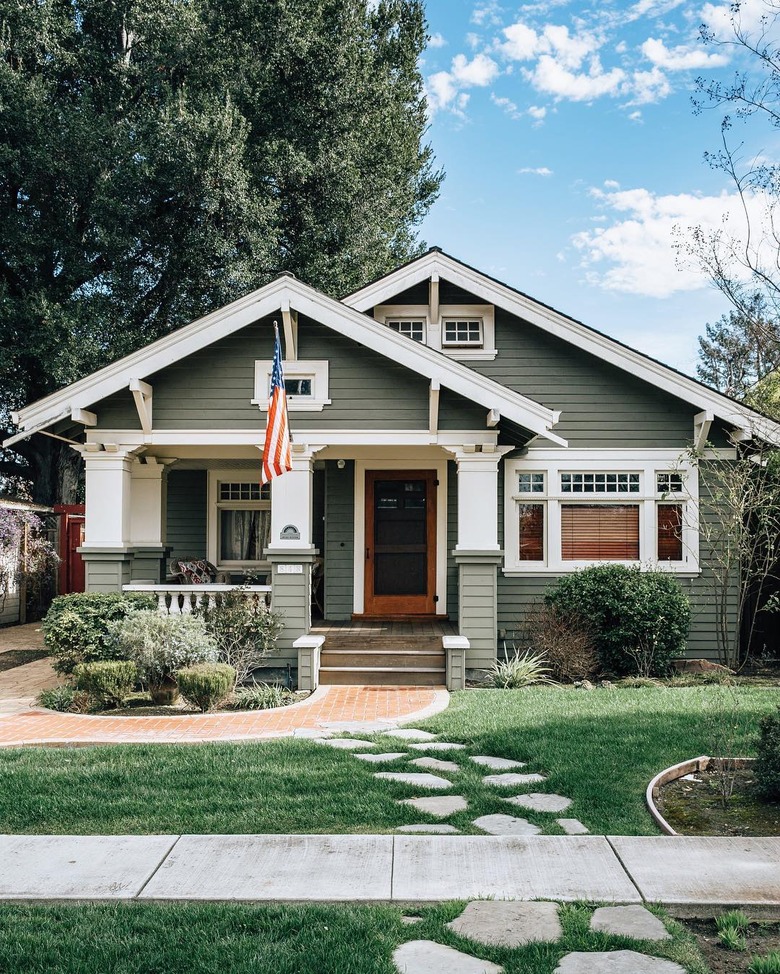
{"x": 478, "y": 605}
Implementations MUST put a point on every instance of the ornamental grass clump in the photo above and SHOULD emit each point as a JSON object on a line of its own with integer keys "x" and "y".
{"x": 110, "y": 682}
{"x": 78, "y": 628}
{"x": 57, "y": 698}
{"x": 160, "y": 645}
{"x": 768, "y": 964}
{"x": 639, "y": 617}
{"x": 206, "y": 685}
{"x": 261, "y": 696}
{"x": 519, "y": 670}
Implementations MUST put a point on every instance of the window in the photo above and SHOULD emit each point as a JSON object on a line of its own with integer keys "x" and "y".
{"x": 464, "y": 332}
{"x": 600, "y": 532}
{"x": 305, "y": 382}
{"x": 566, "y": 509}
{"x": 239, "y": 520}
{"x": 414, "y": 329}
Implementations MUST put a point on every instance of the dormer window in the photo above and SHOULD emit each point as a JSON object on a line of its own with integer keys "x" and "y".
{"x": 413, "y": 328}
{"x": 462, "y": 332}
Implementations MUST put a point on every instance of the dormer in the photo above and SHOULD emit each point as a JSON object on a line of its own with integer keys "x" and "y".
{"x": 449, "y": 321}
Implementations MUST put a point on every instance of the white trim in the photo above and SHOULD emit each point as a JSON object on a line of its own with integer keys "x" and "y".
{"x": 361, "y": 466}
{"x": 314, "y": 369}
{"x": 647, "y": 463}
{"x": 319, "y": 437}
{"x": 311, "y": 303}
{"x": 432, "y": 317}
{"x": 214, "y": 505}
{"x": 557, "y": 324}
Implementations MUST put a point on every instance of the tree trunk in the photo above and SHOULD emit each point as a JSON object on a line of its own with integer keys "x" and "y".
{"x": 56, "y": 472}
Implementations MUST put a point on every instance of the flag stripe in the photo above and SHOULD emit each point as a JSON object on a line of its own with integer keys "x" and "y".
{"x": 276, "y": 450}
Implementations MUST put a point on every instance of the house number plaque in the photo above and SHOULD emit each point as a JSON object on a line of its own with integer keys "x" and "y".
{"x": 290, "y": 533}
{"x": 290, "y": 569}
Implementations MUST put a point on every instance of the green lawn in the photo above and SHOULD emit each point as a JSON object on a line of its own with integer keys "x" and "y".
{"x": 203, "y": 938}
{"x": 600, "y": 748}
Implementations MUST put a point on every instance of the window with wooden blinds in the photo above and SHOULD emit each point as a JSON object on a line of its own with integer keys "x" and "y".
{"x": 531, "y": 532}
{"x": 670, "y": 532}
{"x": 600, "y": 532}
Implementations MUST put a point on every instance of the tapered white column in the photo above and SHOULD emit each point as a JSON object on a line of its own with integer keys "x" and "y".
{"x": 477, "y": 500}
{"x": 292, "y": 505}
{"x": 108, "y": 493}
{"x": 147, "y": 503}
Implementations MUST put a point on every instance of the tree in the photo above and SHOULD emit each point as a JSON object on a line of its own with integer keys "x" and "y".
{"x": 158, "y": 158}
{"x": 740, "y": 351}
{"x": 744, "y": 262}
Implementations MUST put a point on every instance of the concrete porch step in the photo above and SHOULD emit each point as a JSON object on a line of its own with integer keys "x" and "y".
{"x": 420, "y": 676}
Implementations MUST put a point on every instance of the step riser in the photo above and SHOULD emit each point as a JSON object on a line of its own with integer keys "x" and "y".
{"x": 375, "y": 661}
{"x": 378, "y": 678}
{"x": 369, "y": 643}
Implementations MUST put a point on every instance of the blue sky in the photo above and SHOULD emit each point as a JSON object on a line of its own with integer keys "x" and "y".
{"x": 573, "y": 155}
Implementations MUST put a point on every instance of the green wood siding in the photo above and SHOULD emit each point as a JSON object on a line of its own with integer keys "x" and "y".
{"x": 187, "y": 515}
{"x": 339, "y": 540}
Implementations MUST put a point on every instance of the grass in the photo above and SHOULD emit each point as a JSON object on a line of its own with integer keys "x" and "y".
{"x": 140, "y": 939}
{"x": 598, "y": 747}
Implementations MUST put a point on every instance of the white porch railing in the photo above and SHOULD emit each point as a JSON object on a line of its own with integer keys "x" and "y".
{"x": 177, "y": 600}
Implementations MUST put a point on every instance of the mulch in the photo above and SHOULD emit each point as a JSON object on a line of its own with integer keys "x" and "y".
{"x": 12, "y": 658}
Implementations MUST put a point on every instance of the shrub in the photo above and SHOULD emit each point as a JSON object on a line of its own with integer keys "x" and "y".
{"x": 77, "y": 627}
{"x": 518, "y": 671}
{"x": 768, "y": 758}
{"x": 564, "y": 640}
{"x": 639, "y": 617}
{"x": 160, "y": 645}
{"x": 110, "y": 681}
{"x": 768, "y": 964}
{"x": 206, "y": 684}
{"x": 261, "y": 696}
{"x": 244, "y": 629}
{"x": 57, "y": 698}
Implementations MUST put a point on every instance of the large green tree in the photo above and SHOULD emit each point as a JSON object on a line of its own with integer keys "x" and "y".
{"x": 159, "y": 158}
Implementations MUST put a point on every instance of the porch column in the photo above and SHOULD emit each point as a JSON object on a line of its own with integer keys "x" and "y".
{"x": 291, "y": 552}
{"x": 477, "y": 553}
{"x": 106, "y": 550}
{"x": 148, "y": 502}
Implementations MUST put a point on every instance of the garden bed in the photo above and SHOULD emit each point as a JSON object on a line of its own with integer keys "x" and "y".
{"x": 760, "y": 938}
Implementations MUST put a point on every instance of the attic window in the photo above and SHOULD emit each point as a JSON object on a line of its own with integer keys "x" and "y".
{"x": 462, "y": 332}
{"x": 305, "y": 382}
{"x": 411, "y": 328}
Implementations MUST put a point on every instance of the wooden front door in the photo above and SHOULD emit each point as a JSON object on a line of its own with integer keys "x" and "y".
{"x": 400, "y": 575}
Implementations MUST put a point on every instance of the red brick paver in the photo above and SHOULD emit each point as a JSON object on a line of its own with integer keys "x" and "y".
{"x": 328, "y": 706}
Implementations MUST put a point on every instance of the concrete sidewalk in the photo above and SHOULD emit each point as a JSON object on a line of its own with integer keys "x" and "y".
{"x": 689, "y": 876}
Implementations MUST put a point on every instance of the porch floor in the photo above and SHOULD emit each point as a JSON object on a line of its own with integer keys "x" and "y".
{"x": 386, "y": 628}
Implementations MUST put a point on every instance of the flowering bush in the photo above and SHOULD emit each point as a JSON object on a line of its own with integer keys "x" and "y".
{"x": 160, "y": 645}
{"x": 25, "y": 552}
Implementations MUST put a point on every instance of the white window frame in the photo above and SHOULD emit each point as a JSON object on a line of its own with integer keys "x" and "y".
{"x": 434, "y": 330}
{"x": 215, "y": 505}
{"x": 647, "y": 463}
{"x": 317, "y": 371}
{"x": 448, "y": 344}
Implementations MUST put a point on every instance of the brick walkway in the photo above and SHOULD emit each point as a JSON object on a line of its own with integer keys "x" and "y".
{"x": 21, "y": 685}
{"x": 329, "y": 708}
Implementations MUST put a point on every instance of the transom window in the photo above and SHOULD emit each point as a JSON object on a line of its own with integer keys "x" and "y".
{"x": 241, "y": 491}
{"x": 411, "y": 328}
{"x": 530, "y": 483}
{"x": 459, "y": 331}
{"x": 600, "y": 483}
{"x": 669, "y": 483}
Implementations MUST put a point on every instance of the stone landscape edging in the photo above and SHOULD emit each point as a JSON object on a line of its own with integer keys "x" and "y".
{"x": 672, "y": 774}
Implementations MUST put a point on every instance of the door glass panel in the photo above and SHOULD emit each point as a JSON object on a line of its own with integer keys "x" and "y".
{"x": 400, "y": 537}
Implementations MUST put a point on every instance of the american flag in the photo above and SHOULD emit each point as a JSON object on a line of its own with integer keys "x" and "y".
{"x": 276, "y": 451}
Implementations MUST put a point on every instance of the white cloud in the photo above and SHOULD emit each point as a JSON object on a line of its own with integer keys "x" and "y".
{"x": 552, "y": 78}
{"x": 682, "y": 57}
{"x": 539, "y": 171}
{"x": 507, "y": 105}
{"x": 480, "y": 71}
{"x": 440, "y": 89}
{"x": 636, "y": 253}
{"x": 521, "y": 43}
{"x": 437, "y": 40}
{"x": 635, "y": 117}
{"x": 537, "y": 112}
{"x": 721, "y": 17}
{"x": 648, "y": 87}
{"x": 487, "y": 14}
{"x": 611, "y": 184}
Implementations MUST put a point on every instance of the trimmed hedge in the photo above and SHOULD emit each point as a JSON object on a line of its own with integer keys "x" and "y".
{"x": 206, "y": 684}
{"x": 768, "y": 758}
{"x": 639, "y": 617}
{"x": 77, "y": 627}
{"x": 110, "y": 681}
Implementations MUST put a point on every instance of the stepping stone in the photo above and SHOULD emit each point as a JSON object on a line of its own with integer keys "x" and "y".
{"x": 438, "y": 746}
{"x": 411, "y": 920}
{"x": 378, "y": 758}
{"x": 344, "y": 743}
{"x": 427, "y": 957}
{"x": 615, "y": 962}
{"x": 497, "y": 764}
{"x": 418, "y": 780}
{"x": 440, "y": 807}
{"x": 504, "y": 923}
{"x": 435, "y": 764}
{"x": 629, "y": 921}
{"x": 538, "y": 802}
{"x": 410, "y": 734}
{"x": 433, "y": 829}
{"x": 513, "y": 780}
{"x": 506, "y": 825}
{"x": 572, "y": 826}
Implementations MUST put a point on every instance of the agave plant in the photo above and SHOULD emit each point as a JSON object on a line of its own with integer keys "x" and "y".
{"x": 519, "y": 670}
